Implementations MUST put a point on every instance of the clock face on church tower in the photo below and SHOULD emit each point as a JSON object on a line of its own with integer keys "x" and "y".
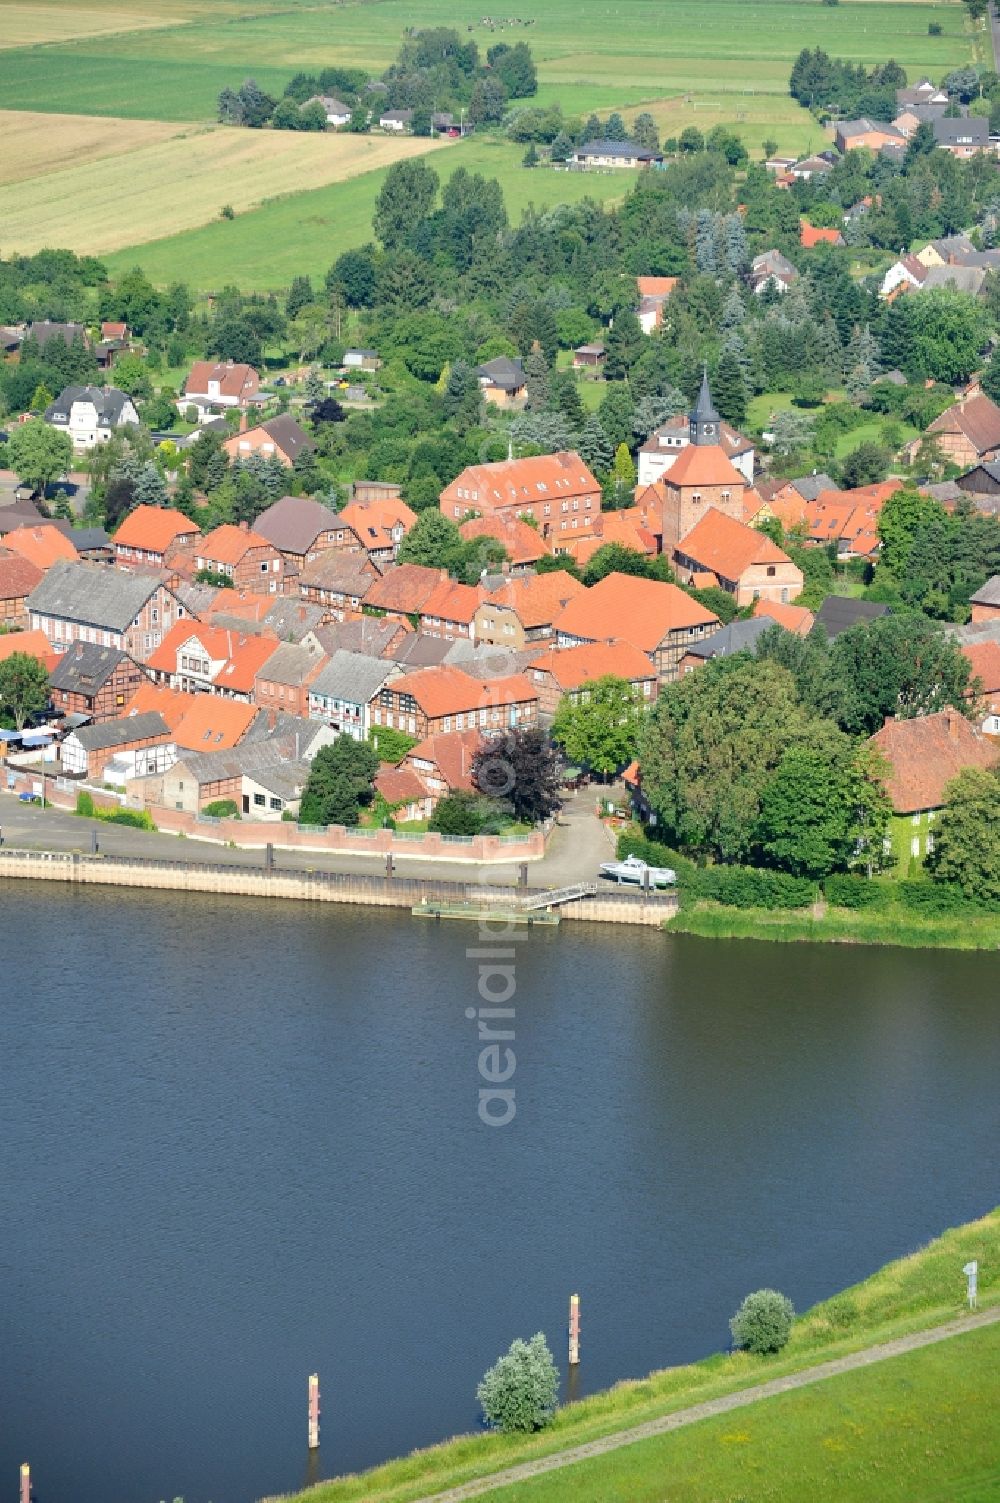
{"x": 708, "y": 429}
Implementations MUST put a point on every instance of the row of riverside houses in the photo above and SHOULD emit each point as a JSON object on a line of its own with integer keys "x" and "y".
{"x": 182, "y": 691}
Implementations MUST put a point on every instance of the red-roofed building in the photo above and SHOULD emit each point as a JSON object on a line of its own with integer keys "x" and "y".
{"x": 34, "y": 643}
{"x": 201, "y": 658}
{"x": 746, "y": 563}
{"x": 249, "y": 560}
{"x": 403, "y": 591}
{"x": 563, "y": 670}
{"x": 524, "y": 544}
{"x": 653, "y": 295}
{"x": 211, "y": 723}
{"x": 701, "y": 476}
{"x": 43, "y": 546}
{"x": 522, "y": 611}
{"x": 148, "y": 531}
{"x": 449, "y": 611}
{"x": 794, "y": 618}
{"x": 379, "y": 525}
{"x": 404, "y": 791}
{"x": 444, "y": 762}
{"x": 659, "y": 619}
{"x": 214, "y": 385}
{"x": 636, "y": 527}
{"x": 924, "y": 755}
{"x": 556, "y": 490}
{"x": 18, "y": 577}
{"x": 443, "y": 699}
{"x": 984, "y": 658}
{"x": 810, "y": 235}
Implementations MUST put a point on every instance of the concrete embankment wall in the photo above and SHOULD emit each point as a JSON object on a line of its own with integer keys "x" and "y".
{"x": 321, "y": 887}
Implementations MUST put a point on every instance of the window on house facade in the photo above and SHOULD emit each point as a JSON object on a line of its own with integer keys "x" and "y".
{"x": 259, "y": 800}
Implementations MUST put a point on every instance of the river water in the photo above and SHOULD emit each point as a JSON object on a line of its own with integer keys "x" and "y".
{"x": 241, "y": 1143}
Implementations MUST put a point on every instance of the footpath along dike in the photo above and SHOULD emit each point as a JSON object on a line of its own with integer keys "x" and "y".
{"x": 611, "y": 907}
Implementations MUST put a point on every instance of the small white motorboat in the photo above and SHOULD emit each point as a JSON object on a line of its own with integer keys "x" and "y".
{"x": 632, "y": 869}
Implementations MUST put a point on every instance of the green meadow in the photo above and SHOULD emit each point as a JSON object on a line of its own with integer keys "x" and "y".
{"x": 303, "y": 233}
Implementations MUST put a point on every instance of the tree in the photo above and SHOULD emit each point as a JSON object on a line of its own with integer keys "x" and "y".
{"x": 594, "y": 449}
{"x": 487, "y": 101}
{"x": 865, "y": 465}
{"x": 520, "y": 1391}
{"x": 967, "y": 835}
{"x": 404, "y": 201}
{"x": 938, "y": 335}
{"x": 520, "y": 769}
{"x": 459, "y": 813}
{"x": 897, "y": 665}
{"x": 616, "y": 558}
{"x": 340, "y": 781}
{"x": 806, "y": 814}
{"x": 149, "y": 487}
{"x": 729, "y": 389}
{"x": 691, "y": 139}
{"x": 645, "y": 133}
{"x": 433, "y": 541}
{"x": 623, "y": 473}
{"x": 24, "y": 688}
{"x": 598, "y": 725}
{"x": 39, "y": 453}
{"x": 763, "y": 1323}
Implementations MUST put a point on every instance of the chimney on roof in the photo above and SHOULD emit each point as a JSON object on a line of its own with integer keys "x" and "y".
{"x": 244, "y": 527}
{"x": 951, "y": 720}
{"x": 243, "y": 421}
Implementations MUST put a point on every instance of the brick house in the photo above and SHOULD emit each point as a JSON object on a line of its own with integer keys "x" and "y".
{"x": 852, "y": 135}
{"x": 405, "y": 792}
{"x": 564, "y": 670}
{"x": 342, "y": 693}
{"x": 745, "y": 563}
{"x": 380, "y": 524}
{"x": 444, "y": 762}
{"x": 659, "y": 619}
{"x": 95, "y": 681}
{"x": 43, "y": 546}
{"x": 984, "y": 660}
{"x": 147, "y": 532}
{"x": 556, "y": 490}
{"x": 521, "y": 612}
{"x": 338, "y": 582}
{"x": 301, "y": 529}
{"x": 282, "y": 682}
{"x": 450, "y": 610}
{"x": 279, "y": 438}
{"x": 204, "y": 659}
{"x": 986, "y": 601}
{"x": 443, "y": 699}
{"x": 18, "y": 577}
{"x": 79, "y": 602}
{"x": 523, "y": 544}
{"x": 139, "y": 744}
{"x": 249, "y": 560}
{"x": 402, "y": 592}
{"x": 967, "y": 433}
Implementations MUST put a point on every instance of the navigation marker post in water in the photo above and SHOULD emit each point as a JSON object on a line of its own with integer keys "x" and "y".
{"x": 25, "y": 1483}
{"x": 314, "y": 1412}
{"x": 574, "y": 1329}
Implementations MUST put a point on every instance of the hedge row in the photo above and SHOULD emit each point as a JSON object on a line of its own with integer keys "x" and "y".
{"x": 138, "y": 819}
{"x": 856, "y": 892}
{"x": 735, "y": 886}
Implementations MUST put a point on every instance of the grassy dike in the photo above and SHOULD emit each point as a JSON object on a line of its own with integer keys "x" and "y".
{"x": 922, "y": 1290}
{"x": 893, "y": 925}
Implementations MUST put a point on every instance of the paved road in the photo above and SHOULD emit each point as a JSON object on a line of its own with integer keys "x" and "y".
{"x": 576, "y": 847}
{"x": 744, "y": 1396}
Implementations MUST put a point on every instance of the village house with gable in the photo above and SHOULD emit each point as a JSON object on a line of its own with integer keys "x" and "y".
{"x": 81, "y": 602}
{"x": 97, "y": 682}
{"x": 924, "y": 755}
{"x": 18, "y": 577}
{"x": 212, "y": 386}
{"x": 745, "y": 563}
{"x": 342, "y": 693}
{"x": 148, "y": 532}
{"x": 660, "y": 619}
{"x": 562, "y": 671}
{"x": 337, "y": 582}
{"x": 445, "y": 699}
{"x": 521, "y": 612}
{"x": 557, "y": 491}
{"x": 249, "y": 560}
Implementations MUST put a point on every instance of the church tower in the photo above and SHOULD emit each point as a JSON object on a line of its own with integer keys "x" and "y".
{"x": 704, "y": 421}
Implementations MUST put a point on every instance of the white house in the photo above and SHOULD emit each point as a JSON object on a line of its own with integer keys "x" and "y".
{"x": 668, "y": 442}
{"x": 90, "y": 414}
{"x": 396, "y": 120}
{"x": 336, "y": 111}
{"x": 341, "y": 695}
{"x": 362, "y": 360}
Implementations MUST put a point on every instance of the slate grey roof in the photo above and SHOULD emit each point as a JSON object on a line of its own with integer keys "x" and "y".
{"x": 289, "y": 437}
{"x": 92, "y": 594}
{"x": 290, "y": 620}
{"x": 962, "y": 278}
{"x": 418, "y": 650}
{"x": 108, "y": 401}
{"x": 44, "y": 331}
{"x": 289, "y": 664}
{"x": 122, "y": 732}
{"x": 838, "y": 612}
{"x": 503, "y": 372}
{"x": 276, "y": 761}
{"x": 369, "y": 635}
{"x": 294, "y": 523}
{"x": 352, "y": 677}
{"x": 85, "y": 667}
{"x": 738, "y": 636}
{"x": 972, "y": 130}
{"x": 809, "y": 486}
{"x": 989, "y": 594}
{"x": 87, "y": 539}
{"x": 616, "y": 149}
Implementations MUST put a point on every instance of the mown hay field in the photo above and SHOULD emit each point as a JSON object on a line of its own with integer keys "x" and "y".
{"x": 27, "y": 25}
{"x": 35, "y": 145}
{"x": 165, "y": 186}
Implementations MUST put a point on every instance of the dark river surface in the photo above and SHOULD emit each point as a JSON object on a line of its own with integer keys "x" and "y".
{"x": 240, "y": 1143}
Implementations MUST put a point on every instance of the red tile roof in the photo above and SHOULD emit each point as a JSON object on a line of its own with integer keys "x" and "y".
{"x": 399, "y": 785}
{"x": 374, "y": 522}
{"x": 451, "y": 601}
{"x": 154, "y": 528}
{"x": 239, "y": 381}
{"x": 213, "y": 723}
{"x": 794, "y": 618}
{"x": 985, "y": 660}
{"x": 624, "y": 607}
{"x": 728, "y": 548}
{"x": 171, "y": 704}
{"x": 520, "y": 482}
{"x": 810, "y": 235}
{"x": 570, "y": 667}
{"x": 18, "y": 575}
{"x": 926, "y": 753}
{"x": 447, "y": 691}
{"x": 536, "y": 599}
{"x": 703, "y": 464}
{"x": 35, "y": 643}
{"x": 523, "y": 543}
{"x": 451, "y": 752}
{"x": 44, "y": 545}
{"x": 246, "y": 660}
{"x": 228, "y": 544}
{"x": 404, "y": 589}
{"x": 656, "y": 286}
{"x": 977, "y": 418}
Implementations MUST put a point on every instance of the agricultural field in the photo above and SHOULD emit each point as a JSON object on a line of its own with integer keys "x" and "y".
{"x": 305, "y": 232}
{"x": 725, "y": 61}
{"x": 180, "y": 183}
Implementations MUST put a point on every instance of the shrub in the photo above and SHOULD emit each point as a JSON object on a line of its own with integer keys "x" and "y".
{"x": 85, "y": 806}
{"x": 222, "y": 808}
{"x": 934, "y": 29}
{"x": 137, "y": 819}
{"x": 747, "y": 887}
{"x": 763, "y": 1323}
{"x": 519, "y": 1391}
{"x": 855, "y": 892}
{"x": 934, "y": 897}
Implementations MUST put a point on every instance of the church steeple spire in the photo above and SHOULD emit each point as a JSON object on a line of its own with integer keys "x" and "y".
{"x": 704, "y": 421}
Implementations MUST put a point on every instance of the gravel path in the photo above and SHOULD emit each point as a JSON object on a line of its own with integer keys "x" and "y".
{"x": 680, "y": 1417}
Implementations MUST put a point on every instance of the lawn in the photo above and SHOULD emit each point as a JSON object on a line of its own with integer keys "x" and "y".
{"x": 919, "y": 1425}
{"x": 912, "y": 1293}
{"x": 302, "y": 233}
{"x": 177, "y": 184}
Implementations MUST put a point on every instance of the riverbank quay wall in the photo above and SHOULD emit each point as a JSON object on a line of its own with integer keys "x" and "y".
{"x": 318, "y": 886}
